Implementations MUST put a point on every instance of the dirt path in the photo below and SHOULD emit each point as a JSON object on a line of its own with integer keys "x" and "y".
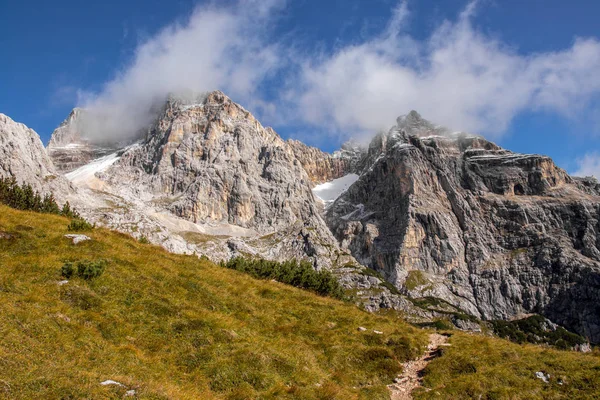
{"x": 411, "y": 378}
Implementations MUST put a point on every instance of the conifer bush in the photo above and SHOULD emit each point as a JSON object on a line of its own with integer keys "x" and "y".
{"x": 84, "y": 269}
{"x": 23, "y": 197}
{"x": 80, "y": 224}
{"x": 299, "y": 274}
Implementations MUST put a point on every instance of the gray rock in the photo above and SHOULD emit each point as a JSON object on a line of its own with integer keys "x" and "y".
{"x": 542, "y": 376}
{"x": 584, "y": 348}
{"x": 22, "y": 155}
{"x": 111, "y": 382}
{"x": 76, "y": 238}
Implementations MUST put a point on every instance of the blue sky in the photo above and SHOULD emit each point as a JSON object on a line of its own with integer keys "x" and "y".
{"x": 523, "y": 73}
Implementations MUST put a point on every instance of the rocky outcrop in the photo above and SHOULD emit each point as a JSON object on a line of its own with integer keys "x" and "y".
{"x": 494, "y": 233}
{"x": 323, "y": 167}
{"x": 218, "y": 164}
{"x": 23, "y": 156}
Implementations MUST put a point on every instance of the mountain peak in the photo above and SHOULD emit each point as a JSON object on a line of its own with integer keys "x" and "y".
{"x": 413, "y": 124}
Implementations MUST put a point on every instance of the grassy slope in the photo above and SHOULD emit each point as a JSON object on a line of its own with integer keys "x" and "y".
{"x": 175, "y": 327}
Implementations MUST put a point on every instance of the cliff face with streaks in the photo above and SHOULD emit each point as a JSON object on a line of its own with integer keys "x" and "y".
{"x": 495, "y": 233}
{"x": 324, "y": 167}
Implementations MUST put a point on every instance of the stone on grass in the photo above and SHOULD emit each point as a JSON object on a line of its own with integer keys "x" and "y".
{"x": 111, "y": 382}
{"x": 542, "y": 376}
{"x": 78, "y": 238}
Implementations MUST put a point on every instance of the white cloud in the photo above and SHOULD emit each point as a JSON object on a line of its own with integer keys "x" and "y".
{"x": 588, "y": 165}
{"x": 457, "y": 77}
{"x": 216, "y": 48}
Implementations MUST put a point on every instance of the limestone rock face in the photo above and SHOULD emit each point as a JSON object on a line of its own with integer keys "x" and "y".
{"x": 23, "y": 156}
{"x": 323, "y": 167}
{"x": 218, "y": 164}
{"x": 494, "y": 233}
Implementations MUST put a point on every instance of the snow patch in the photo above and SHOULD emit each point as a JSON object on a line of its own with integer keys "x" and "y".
{"x": 87, "y": 172}
{"x": 329, "y": 191}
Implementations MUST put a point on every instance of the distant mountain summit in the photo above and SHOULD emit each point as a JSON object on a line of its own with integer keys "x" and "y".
{"x": 71, "y": 146}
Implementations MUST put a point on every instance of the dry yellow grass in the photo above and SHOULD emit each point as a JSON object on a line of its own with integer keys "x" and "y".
{"x": 171, "y": 326}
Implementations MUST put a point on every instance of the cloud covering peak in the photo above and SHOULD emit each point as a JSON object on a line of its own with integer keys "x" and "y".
{"x": 456, "y": 76}
{"x": 215, "y": 48}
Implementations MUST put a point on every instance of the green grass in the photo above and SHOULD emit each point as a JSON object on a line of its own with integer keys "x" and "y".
{"x": 175, "y": 327}
{"x": 414, "y": 279}
{"x": 199, "y": 238}
{"x": 478, "y": 367}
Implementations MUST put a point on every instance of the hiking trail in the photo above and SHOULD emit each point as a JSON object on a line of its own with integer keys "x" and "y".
{"x": 412, "y": 371}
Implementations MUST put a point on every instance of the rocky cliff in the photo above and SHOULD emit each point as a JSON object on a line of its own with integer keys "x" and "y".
{"x": 23, "y": 156}
{"x": 323, "y": 167}
{"x": 495, "y": 233}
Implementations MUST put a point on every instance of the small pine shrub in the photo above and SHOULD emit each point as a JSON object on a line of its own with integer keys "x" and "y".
{"x": 143, "y": 240}
{"x": 534, "y": 330}
{"x": 85, "y": 269}
{"x": 90, "y": 269}
{"x": 23, "y": 197}
{"x": 80, "y": 224}
{"x": 299, "y": 274}
{"x": 67, "y": 270}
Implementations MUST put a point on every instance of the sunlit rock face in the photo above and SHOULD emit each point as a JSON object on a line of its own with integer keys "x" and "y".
{"x": 223, "y": 166}
{"x": 496, "y": 233}
{"x": 324, "y": 167}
